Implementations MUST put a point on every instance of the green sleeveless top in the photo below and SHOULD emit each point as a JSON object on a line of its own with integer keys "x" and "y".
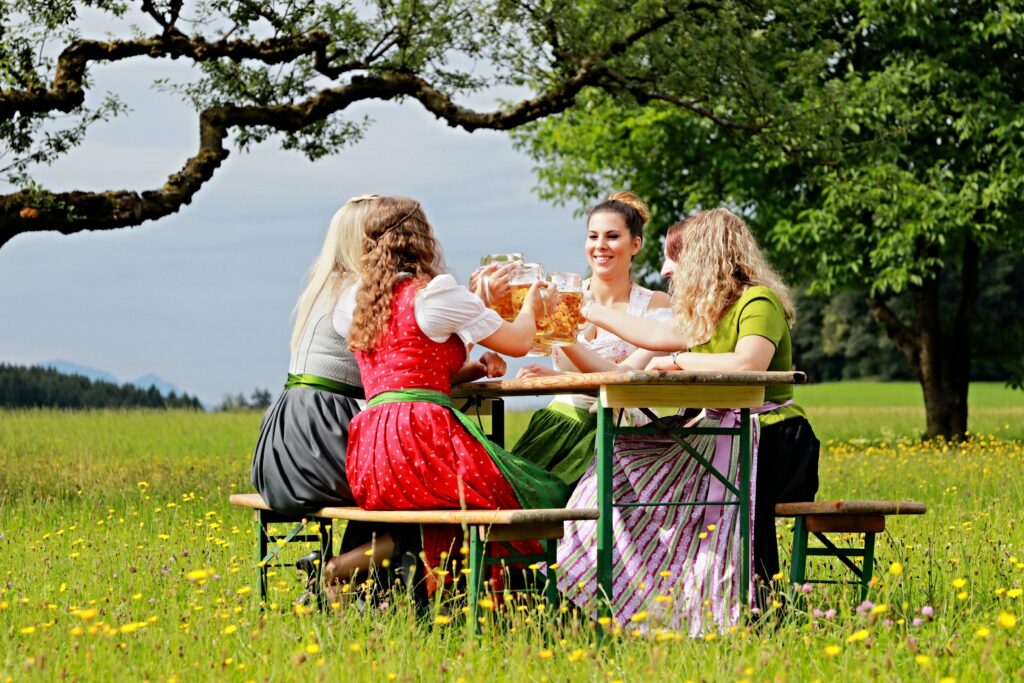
{"x": 758, "y": 311}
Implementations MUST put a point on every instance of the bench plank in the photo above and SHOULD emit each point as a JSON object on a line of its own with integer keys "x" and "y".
{"x": 484, "y": 517}
{"x": 851, "y": 507}
{"x": 862, "y": 524}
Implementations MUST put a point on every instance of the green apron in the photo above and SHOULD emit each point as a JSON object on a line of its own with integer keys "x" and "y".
{"x": 532, "y": 485}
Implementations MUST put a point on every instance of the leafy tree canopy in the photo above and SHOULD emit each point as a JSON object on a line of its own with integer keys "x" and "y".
{"x": 876, "y": 146}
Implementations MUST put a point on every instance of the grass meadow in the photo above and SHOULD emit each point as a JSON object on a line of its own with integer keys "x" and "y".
{"x": 120, "y": 558}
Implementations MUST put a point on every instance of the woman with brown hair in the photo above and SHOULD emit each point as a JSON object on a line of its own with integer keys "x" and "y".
{"x": 410, "y": 449}
{"x": 731, "y": 312}
{"x": 561, "y": 436}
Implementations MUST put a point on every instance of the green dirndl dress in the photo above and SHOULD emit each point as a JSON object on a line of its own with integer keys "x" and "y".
{"x": 560, "y": 438}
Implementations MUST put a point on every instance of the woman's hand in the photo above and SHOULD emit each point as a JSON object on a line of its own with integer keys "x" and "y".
{"x": 538, "y": 300}
{"x": 497, "y": 283}
{"x": 662, "y": 363}
{"x": 477, "y": 281}
{"x": 534, "y": 370}
{"x": 494, "y": 365}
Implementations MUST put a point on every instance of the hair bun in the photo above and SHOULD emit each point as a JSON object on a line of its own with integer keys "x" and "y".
{"x": 627, "y": 197}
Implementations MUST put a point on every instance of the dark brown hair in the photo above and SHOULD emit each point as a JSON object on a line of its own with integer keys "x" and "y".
{"x": 627, "y": 205}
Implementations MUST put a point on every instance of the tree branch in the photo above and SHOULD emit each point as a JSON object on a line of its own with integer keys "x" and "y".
{"x": 899, "y": 332}
{"x": 67, "y": 91}
{"x": 71, "y": 212}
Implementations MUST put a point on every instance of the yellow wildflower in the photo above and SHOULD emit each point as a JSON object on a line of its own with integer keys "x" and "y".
{"x": 1007, "y": 620}
{"x": 895, "y": 568}
{"x": 832, "y": 650}
{"x": 858, "y": 636}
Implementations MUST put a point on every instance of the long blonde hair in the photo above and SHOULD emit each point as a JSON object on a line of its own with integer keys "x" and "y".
{"x": 337, "y": 266}
{"x": 398, "y": 240}
{"x": 717, "y": 260}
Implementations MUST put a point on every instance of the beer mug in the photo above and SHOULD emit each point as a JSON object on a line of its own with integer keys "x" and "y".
{"x": 565, "y": 319}
{"x": 503, "y": 306}
{"x": 522, "y": 277}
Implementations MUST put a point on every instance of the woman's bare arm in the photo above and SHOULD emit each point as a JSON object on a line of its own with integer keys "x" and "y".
{"x": 654, "y": 335}
{"x": 753, "y": 353}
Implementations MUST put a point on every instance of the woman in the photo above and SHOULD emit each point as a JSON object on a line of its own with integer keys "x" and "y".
{"x": 731, "y": 312}
{"x": 560, "y": 437}
{"x": 410, "y": 449}
{"x": 298, "y": 465}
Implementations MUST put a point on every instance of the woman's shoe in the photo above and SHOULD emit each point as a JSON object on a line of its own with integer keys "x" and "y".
{"x": 310, "y": 564}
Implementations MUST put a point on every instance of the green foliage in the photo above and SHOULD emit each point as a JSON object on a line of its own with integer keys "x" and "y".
{"x": 869, "y": 144}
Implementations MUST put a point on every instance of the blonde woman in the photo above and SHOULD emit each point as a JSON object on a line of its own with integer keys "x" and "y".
{"x": 731, "y": 312}
{"x": 298, "y": 464}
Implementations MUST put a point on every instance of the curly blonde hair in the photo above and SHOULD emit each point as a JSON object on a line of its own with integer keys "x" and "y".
{"x": 398, "y": 240}
{"x": 717, "y": 260}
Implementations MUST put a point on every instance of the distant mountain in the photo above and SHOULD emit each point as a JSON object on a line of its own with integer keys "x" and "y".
{"x": 162, "y": 385}
{"x": 68, "y": 368}
{"x": 144, "y": 382}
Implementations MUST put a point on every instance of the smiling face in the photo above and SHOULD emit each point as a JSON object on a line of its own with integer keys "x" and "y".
{"x": 610, "y": 249}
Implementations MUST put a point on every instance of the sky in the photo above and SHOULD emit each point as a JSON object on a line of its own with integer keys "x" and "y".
{"x": 203, "y": 298}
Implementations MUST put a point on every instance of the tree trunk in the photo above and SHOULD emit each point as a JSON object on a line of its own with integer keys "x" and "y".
{"x": 939, "y": 352}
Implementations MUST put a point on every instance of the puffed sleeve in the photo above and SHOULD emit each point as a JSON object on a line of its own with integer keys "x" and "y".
{"x": 345, "y": 309}
{"x": 444, "y": 307}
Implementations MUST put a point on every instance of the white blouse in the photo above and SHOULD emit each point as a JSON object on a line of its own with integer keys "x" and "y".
{"x": 442, "y": 308}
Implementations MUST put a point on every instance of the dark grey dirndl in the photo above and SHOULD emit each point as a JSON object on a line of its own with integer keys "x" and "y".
{"x": 298, "y": 465}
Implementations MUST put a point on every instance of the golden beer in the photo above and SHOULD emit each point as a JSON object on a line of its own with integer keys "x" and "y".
{"x": 565, "y": 322}
{"x": 503, "y": 306}
{"x": 518, "y": 297}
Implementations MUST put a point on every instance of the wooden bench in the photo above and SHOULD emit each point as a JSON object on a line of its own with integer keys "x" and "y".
{"x": 484, "y": 526}
{"x": 840, "y": 516}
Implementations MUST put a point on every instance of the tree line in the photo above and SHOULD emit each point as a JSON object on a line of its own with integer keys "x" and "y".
{"x": 37, "y": 387}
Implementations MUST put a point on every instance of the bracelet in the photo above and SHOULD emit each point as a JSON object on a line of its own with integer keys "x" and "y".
{"x": 674, "y": 361}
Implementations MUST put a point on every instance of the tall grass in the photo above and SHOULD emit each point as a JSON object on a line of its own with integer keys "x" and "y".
{"x": 120, "y": 558}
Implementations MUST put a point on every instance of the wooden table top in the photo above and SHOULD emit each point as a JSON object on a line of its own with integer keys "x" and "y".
{"x": 591, "y": 383}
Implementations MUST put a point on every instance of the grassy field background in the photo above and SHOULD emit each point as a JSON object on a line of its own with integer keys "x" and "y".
{"x": 121, "y": 559}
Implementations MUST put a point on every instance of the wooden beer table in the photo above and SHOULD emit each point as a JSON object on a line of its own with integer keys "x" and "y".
{"x": 634, "y": 389}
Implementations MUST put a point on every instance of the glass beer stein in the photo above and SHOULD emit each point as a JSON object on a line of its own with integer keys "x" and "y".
{"x": 565, "y": 319}
{"x": 522, "y": 277}
{"x": 503, "y": 306}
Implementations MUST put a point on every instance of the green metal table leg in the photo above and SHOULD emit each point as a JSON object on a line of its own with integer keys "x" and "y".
{"x": 798, "y": 562}
{"x": 745, "y": 447}
{"x": 498, "y": 422}
{"x": 551, "y": 586}
{"x": 261, "y": 552}
{"x": 605, "y": 441}
{"x": 868, "y": 568}
{"x": 798, "y": 567}
{"x": 476, "y": 572}
{"x": 326, "y": 551}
